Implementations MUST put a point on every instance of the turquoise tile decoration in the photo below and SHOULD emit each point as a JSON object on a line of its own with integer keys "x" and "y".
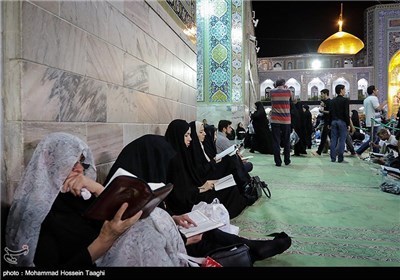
{"x": 219, "y": 55}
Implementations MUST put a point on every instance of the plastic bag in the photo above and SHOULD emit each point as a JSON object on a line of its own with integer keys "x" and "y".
{"x": 294, "y": 138}
{"x": 250, "y": 128}
{"x": 218, "y": 212}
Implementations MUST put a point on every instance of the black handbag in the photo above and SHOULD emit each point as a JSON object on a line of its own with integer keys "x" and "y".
{"x": 256, "y": 187}
{"x": 236, "y": 255}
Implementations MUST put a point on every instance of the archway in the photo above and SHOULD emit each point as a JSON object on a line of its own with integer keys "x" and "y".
{"x": 344, "y": 82}
{"x": 294, "y": 86}
{"x": 362, "y": 88}
{"x": 267, "y": 84}
{"x": 314, "y": 88}
{"x": 394, "y": 85}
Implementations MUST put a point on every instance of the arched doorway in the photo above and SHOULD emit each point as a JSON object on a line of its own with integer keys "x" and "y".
{"x": 344, "y": 82}
{"x": 362, "y": 89}
{"x": 394, "y": 85}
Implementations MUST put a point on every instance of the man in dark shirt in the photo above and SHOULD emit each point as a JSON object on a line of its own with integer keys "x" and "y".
{"x": 325, "y": 105}
{"x": 339, "y": 122}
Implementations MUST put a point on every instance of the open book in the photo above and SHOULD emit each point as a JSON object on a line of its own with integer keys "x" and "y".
{"x": 203, "y": 224}
{"x": 224, "y": 182}
{"x": 126, "y": 187}
{"x": 377, "y": 154}
{"x": 391, "y": 169}
{"x": 229, "y": 151}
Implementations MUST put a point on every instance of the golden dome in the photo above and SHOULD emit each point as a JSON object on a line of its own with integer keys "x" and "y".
{"x": 341, "y": 43}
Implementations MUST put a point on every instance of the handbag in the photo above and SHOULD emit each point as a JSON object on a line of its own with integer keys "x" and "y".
{"x": 236, "y": 255}
{"x": 256, "y": 187}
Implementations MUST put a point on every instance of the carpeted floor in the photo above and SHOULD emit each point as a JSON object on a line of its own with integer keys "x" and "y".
{"x": 335, "y": 213}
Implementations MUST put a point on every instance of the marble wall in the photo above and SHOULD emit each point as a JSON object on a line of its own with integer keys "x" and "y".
{"x": 107, "y": 72}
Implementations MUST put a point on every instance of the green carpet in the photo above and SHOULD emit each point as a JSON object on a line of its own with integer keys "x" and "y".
{"x": 335, "y": 213}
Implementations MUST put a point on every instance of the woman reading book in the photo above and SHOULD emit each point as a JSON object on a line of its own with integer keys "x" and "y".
{"x": 148, "y": 158}
{"x": 46, "y": 221}
{"x": 209, "y": 141}
{"x": 190, "y": 187}
{"x": 207, "y": 166}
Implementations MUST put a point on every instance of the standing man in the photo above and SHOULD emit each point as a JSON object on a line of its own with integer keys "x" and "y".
{"x": 325, "y": 106}
{"x": 372, "y": 110}
{"x": 280, "y": 121}
{"x": 339, "y": 122}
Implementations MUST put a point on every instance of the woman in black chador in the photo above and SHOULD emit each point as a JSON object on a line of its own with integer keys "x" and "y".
{"x": 263, "y": 137}
{"x": 298, "y": 124}
{"x": 207, "y": 167}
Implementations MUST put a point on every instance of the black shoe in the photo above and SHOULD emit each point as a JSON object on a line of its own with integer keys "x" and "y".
{"x": 262, "y": 249}
{"x": 287, "y": 162}
{"x": 251, "y": 151}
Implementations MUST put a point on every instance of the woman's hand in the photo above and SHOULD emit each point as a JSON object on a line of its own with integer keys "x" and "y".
{"x": 209, "y": 185}
{"x": 110, "y": 231}
{"x": 184, "y": 221}
{"x": 77, "y": 180}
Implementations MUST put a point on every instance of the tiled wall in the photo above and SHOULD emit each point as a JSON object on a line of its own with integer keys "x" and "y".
{"x": 225, "y": 88}
{"x": 108, "y": 72}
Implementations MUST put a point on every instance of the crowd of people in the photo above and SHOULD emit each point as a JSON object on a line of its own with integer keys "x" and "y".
{"x": 45, "y": 220}
{"x": 46, "y": 227}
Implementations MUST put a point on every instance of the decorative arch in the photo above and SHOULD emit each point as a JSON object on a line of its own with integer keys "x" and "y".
{"x": 394, "y": 84}
{"x": 344, "y": 82}
{"x": 362, "y": 85}
{"x": 268, "y": 83}
{"x": 277, "y": 66}
{"x": 314, "y": 88}
{"x": 294, "y": 86}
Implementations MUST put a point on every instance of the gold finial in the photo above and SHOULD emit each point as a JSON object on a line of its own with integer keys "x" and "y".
{"x": 341, "y": 42}
{"x": 341, "y": 17}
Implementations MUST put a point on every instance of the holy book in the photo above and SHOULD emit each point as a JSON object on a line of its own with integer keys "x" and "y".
{"x": 126, "y": 187}
{"x": 229, "y": 151}
{"x": 224, "y": 182}
{"x": 203, "y": 224}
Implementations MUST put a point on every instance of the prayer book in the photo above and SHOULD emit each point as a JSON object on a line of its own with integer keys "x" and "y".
{"x": 126, "y": 187}
{"x": 377, "y": 154}
{"x": 203, "y": 224}
{"x": 225, "y": 182}
{"x": 229, "y": 151}
{"x": 391, "y": 169}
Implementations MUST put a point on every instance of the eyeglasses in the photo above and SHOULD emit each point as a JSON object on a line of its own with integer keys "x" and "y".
{"x": 84, "y": 165}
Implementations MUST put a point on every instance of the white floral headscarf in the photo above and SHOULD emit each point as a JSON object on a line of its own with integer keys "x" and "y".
{"x": 52, "y": 161}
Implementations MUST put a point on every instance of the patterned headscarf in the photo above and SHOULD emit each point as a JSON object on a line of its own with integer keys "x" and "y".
{"x": 51, "y": 163}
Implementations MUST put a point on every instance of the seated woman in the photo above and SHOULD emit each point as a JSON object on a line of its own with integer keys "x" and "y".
{"x": 207, "y": 167}
{"x": 46, "y": 216}
{"x": 209, "y": 141}
{"x": 148, "y": 158}
{"x": 189, "y": 187}
{"x": 240, "y": 131}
